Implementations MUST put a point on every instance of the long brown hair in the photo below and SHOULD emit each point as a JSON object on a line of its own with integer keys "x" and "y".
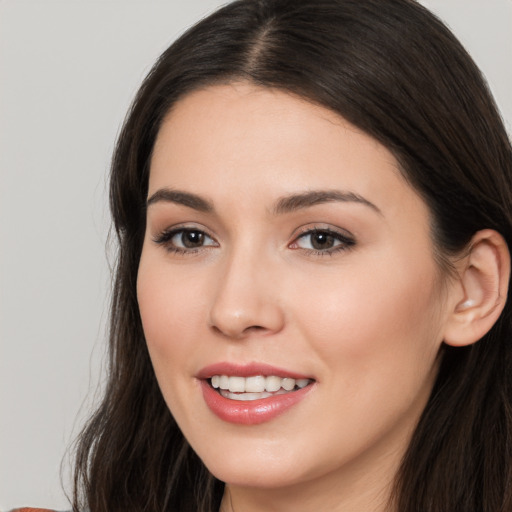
{"x": 394, "y": 70}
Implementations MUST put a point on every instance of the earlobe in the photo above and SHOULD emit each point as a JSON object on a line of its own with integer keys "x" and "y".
{"x": 483, "y": 279}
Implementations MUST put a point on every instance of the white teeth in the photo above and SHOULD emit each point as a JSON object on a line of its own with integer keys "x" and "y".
{"x": 244, "y": 396}
{"x": 301, "y": 383}
{"x": 273, "y": 383}
{"x": 288, "y": 384}
{"x": 257, "y": 384}
{"x": 224, "y": 382}
{"x": 236, "y": 384}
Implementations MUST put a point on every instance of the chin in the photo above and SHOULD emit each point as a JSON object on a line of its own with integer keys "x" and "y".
{"x": 241, "y": 474}
{"x": 254, "y": 467}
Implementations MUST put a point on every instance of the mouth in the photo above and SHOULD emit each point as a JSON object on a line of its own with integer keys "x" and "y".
{"x": 252, "y": 393}
{"x": 256, "y": 387}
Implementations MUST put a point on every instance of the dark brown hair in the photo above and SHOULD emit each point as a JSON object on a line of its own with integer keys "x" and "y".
{"x": 395, "y": 71}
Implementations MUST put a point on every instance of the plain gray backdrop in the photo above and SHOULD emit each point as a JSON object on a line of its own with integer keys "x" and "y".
{"x": 68, "y": 71}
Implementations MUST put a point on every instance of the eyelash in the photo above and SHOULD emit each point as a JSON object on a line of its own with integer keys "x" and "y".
{"x": 345, "y": 242}
{"x": 166, "y": 236}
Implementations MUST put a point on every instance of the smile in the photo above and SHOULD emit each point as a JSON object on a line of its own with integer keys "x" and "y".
{"x": 254, "y": 393}
{"x": 255, "y": 387}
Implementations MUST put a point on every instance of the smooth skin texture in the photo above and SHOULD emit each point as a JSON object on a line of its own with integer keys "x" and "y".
{"x": 341, "y": 286}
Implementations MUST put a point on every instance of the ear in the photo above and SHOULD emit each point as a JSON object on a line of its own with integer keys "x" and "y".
{"x": 480, "y": 293}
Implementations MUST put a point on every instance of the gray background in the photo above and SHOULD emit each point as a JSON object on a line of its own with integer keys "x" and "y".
{"x": 68, "y": 70}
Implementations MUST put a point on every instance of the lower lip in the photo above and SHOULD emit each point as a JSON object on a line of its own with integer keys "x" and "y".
{"x": 250, "y": 412}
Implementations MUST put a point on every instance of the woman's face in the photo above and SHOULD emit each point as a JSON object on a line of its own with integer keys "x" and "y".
{"x": 283, "y": 249}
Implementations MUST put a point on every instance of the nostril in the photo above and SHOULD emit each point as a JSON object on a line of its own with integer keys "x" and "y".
{"x": 239, "y": 334}
{"x": 255, "y": 328}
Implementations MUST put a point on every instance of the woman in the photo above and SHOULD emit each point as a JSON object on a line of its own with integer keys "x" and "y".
{"x": 312, "y": 200}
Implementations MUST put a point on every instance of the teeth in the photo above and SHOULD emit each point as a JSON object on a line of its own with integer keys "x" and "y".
{"x": 258, "y": 384}
{"x": 273, "y": 383}
{"x": 249, "y": 396}
{"x": 224, "y": 382}
{"x": 301, "y": 383}
{"x": 244, "y": 396}
{"x": 288, "y": 384}
{"x": 236, "y": 384}
{"x": 255, "y": 384}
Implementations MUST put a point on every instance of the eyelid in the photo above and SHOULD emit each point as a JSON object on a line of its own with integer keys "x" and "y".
{"x": 328, "y": 228}
{"x": 164, "y": 237}
{"x": 345, "y": 238}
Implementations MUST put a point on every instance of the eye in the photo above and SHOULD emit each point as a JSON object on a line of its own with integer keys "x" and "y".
{"x": 190, "y": 239}
{"x": 324, "y": 241}
{"x": 184, "y": 240}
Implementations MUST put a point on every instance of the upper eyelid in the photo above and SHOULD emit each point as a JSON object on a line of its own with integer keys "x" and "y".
{"x": 164, "y": 240}
{"x": 184, "y": 226}
{"x": 165, "y": 235}
{"x": 346, "y": 239}
{"x": 334, "y": 234}
{"x": 299, "y": 232}
{"x": 311, "y": 228}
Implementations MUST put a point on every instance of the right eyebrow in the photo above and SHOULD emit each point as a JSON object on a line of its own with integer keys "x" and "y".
{"x": 188, "y": 199}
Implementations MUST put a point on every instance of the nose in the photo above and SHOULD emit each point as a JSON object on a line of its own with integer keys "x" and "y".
{"x": 246, "y": 299}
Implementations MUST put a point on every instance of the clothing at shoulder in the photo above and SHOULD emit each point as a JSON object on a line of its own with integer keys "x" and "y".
{"x": 32, "y": 509}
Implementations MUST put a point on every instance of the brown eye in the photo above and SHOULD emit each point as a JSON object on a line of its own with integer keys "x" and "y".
{"x": 322, "y": 241}
{"x": 191, "y": 239}
{"x": 184, "y": 240}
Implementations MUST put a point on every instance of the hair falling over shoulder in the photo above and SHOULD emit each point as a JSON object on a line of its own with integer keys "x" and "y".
{"x": 395, "y": 71}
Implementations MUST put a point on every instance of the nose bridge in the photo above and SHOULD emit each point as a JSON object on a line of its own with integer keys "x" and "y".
{"x": 246, "y": 300}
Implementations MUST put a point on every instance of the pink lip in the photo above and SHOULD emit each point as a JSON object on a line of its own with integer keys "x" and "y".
{"x": 250, "y": 412}
{"x": 247, "y": 370}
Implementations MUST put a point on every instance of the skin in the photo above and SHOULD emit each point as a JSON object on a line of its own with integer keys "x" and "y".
{"x": 366, "y": 322}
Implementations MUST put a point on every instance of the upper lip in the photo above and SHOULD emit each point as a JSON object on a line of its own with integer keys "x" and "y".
{"x": 247, "y": 370}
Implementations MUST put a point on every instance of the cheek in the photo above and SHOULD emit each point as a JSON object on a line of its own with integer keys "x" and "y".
{"x": 382, "y": 318}
{"x": 169, "y": 304}
{"x": 377, "y": 336}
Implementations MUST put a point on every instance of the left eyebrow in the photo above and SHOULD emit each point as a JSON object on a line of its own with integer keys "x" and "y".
{"x": 295, "y": 202}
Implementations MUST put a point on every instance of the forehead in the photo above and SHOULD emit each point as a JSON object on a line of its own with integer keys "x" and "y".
{"x": 244, "y": 141}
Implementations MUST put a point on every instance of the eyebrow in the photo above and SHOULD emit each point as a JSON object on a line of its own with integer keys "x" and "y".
{"x": 295, "y": 202}
{"x": 178, "y": 197}
{"x": 283, "y": 205}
